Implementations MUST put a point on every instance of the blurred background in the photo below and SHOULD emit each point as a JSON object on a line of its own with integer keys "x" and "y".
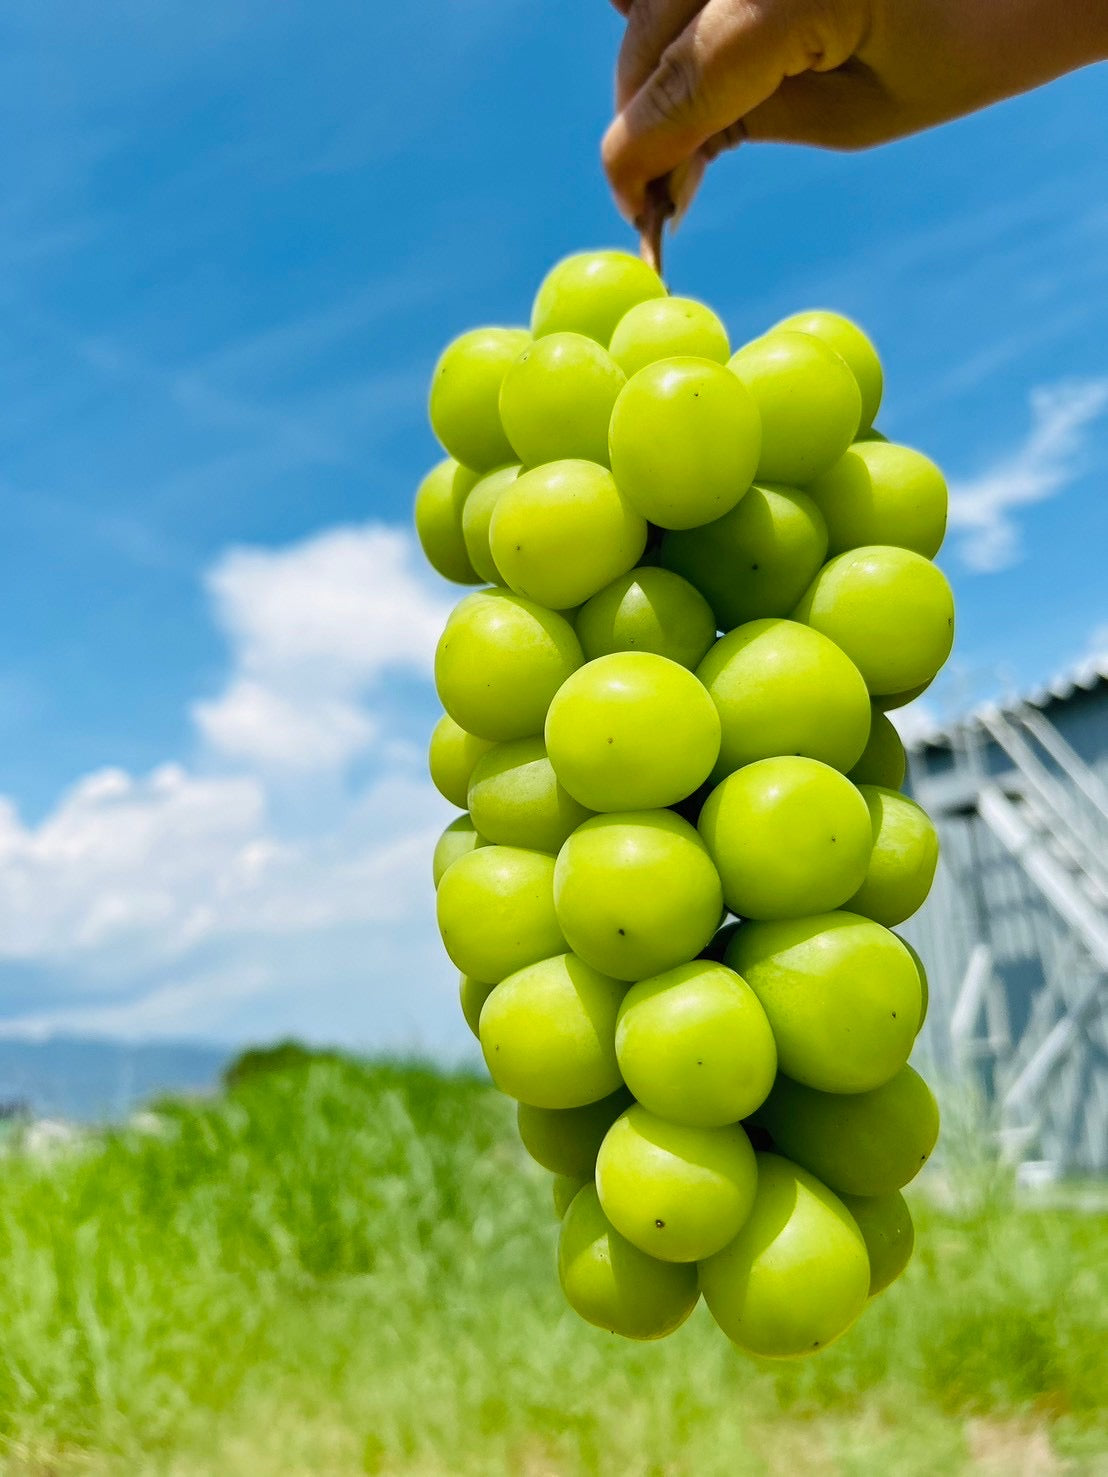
{"x": 233, "y": 240}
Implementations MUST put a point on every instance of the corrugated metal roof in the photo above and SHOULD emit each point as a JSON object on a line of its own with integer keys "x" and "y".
{"x": 1085, "y": 676}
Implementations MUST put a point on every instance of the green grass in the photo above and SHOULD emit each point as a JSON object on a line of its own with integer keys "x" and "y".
{"x": 342, "y": 1269}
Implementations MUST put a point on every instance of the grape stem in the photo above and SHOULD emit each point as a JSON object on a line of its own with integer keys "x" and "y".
{"x": 651, "y": 224}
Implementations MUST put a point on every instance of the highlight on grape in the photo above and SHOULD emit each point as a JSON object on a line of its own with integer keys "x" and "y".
{"x": 684, "y": 845}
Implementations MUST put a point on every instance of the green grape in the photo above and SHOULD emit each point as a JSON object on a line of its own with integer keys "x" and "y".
{"x": 889, "y": 609}
{"x": 675, "y": 1192}
{"x": 716, "y": 946}
{"x": 496, "y": 911}
{"x": 684, "y": 441}
{"x": 883, "y": 760}
{"x": 636, "y": 892}
{"x": 873, "y": 434}
{"x": 789, "y": 836}
{"x": 921, "y": 970}
{"x": 612, "y": 1284}
{"x": 886, "y": 1226}
{"x": 665, "y": 328}
{"x": 796, "y": 1276}
{"x": 887, "y": 701}
{"x": 694, "y": 1045}
{"x": 556, "y": 400}
{"x": 567, "y": 1140}
{"x": 589, "y": 293}
{"x": 516, "y": 800}
{"x": 808, "y": 401}
{"x": 477, "y": 514}
{"x": 866, "y": 1143}
{"x": 562, "y": 531}
{"x": 632, "y": 731}
{"x": 439, "y": 508}
{"x": 458, "y": 840}
{"x": 564, "y": 1189}
{"x": 880, "y": 493}
{"x": 499, "y": 662}
{"x": 548, "y": 1033}
{"x": 903, "y": 861}
{"x": 848, "y": 340}
{"x": 465, "y": 395}
{"x": 451, "y": 758}
{"x": 841, "y": 994}
{"x": 782, "y": 688}
{"x": 647, "y": 610}
{"x": 472, "y": 995}
{"x": 755, "y": 561}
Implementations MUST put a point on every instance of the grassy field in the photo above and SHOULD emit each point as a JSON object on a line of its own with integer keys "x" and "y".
{"x": 342, "y": 1269}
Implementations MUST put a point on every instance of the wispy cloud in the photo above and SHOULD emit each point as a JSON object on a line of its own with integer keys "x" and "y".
{"x": 1047, "y": 461}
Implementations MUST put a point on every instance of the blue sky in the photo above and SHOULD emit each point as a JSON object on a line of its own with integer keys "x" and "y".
{"x": 232, "y": 241}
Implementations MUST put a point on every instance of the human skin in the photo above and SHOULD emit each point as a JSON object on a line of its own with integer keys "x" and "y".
{"x": 696, "y": 77}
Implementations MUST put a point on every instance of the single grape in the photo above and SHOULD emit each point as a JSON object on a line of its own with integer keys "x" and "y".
{"x": 496, "y": 911}
{"x": 675, "y": 1192}
{"x": 866, "y": 1143}
{"x": 515, "y": 798}
{"x": 881, "y": 493}
{"x": 451, "y": 758}
{"x": 921, "y": 970}
{"x": 883, "y": 760}
{"x": 847, "y": 339}
{"x": 694, "y": 1045}
{"x": 789, "y": 837}
{"x": 562, "y": 531}
{"x": 903, "y": 861}
{"x": 755, "y": 561}
{"x": 647, "y": 610}
{"x": 665, "y": 328}
{"x": 886, "y": 1226}
{"x": 636, "y": 892}
{"x": 612, "y": 1284}
{"x": 796, "y": 1276}
{"x": 889, "y": 609}
{"x": 459, "y": 839}
{"x": 841, "y": 994}
{"x": 465, "y": 395}
{"x": 556, "y": 400}
{"x": 887, "y": 701}
{"x": 781, "y": 688}
{"x": 472, "y": 995}
{"x": 567, "y": 1140}
{"x": 808, "y": 401}
{"x": 564, "y": 1188}
{"x": 548, "y": 1033}
{"x": 683, "y": 441}
{"x": 499, "y": 662}
{"x": 477, "y": 514}
{"x": 439, "y": 508}
{"x": 589, "y": 293}
{"x": 632, "y": 731}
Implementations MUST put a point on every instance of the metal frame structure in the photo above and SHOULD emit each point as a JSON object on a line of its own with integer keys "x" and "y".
{"x": 1016, "y": 929}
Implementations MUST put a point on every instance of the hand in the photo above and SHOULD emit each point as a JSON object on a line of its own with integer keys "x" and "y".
{"x": 698, "y": 76}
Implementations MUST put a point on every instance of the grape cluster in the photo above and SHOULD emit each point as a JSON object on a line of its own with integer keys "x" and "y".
{"x": 671, "y": 897}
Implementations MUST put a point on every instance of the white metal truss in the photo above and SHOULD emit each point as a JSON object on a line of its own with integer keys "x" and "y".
{"x": 1048, "y": 814}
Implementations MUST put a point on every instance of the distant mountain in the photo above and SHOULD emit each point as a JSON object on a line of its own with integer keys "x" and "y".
{"x": 91, "y": 1080}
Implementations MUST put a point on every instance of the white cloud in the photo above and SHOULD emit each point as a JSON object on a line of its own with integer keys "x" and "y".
{"x": 312, "y": 629}
{"x": 1046, "y": 462}
{"x": 208, "y": 900}
{"x": 915, "y": 723}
